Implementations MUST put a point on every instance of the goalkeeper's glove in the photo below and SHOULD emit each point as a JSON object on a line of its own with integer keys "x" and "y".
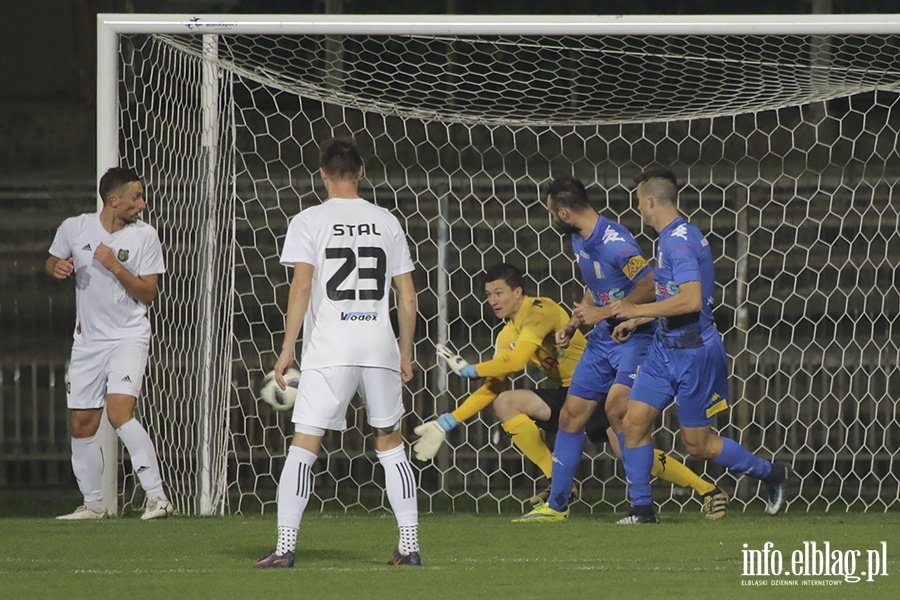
{"x": 432, "y": 435}
{"x": 454, "y": 361}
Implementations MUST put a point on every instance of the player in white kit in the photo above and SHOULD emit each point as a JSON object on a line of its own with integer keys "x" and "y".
{"x": 115, "y": 259}
{"x": 346, "y": 252}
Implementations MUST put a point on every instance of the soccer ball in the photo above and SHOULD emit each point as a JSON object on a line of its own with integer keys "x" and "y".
{"x": 274, "y": 396}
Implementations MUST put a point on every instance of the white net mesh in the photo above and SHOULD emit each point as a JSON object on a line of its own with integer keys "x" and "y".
{"x": 786, "y": 146}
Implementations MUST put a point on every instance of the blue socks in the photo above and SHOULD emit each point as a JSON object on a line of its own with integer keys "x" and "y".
{"x": 567, "y": 453}
{"x": 638, "y": 463}
{"x": 736, "y": 458}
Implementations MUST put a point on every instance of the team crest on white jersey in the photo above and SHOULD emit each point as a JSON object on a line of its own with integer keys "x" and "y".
{"x": 611, "y": 235}
{"x": 123, "y": 255}
{"x": 680, "y": 231}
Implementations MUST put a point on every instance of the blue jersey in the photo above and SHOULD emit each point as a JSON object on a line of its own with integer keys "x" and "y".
{"x": 684, "y": 255}
{"x": 610, "y": 262}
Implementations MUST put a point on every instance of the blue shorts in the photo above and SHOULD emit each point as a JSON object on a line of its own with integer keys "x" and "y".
{"x": 696, "y": 377}
{"x": 605, "y": 362}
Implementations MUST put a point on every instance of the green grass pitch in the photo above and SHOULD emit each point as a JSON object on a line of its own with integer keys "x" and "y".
{"x": 465, "y": 555}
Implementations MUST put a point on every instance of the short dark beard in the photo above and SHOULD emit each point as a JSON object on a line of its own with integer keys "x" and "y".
{"x": 565, "y": 228}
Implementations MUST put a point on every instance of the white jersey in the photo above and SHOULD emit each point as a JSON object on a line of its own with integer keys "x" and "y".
{"x": 356, "y": 248}
{"x": 104, "y": 309}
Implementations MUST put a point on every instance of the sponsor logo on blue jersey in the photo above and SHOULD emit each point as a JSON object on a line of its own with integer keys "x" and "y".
{"x": 611, "y": 235}
{"x": 667, "y": 290}
{"x": 604, "y": 298}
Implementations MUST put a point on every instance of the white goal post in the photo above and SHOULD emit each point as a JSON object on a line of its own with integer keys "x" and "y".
{"x": 782, "y": 130}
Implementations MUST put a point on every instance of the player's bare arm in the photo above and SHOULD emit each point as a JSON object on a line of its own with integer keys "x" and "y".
{"x": 406, "y": 319}
{"x": 564, "y": 336}
{"x": 623, "y": 330}
{"x": 688, "y": 300}
{"x": 644, "y": 290}
{"x": 142, "y": 288}
{"x": 59, "y": 268}
{"x": 590, "y": 314}
{"x": 298, "y": 303}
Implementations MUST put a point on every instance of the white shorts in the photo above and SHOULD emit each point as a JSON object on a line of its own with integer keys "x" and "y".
{"x": 324, "y": 395}
{"x": 100, "y": 368}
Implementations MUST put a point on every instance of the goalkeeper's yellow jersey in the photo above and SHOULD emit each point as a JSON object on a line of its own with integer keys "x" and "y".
{"x": 527, "y": 337}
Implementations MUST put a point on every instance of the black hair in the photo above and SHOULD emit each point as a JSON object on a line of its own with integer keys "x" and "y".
{"x": 568, "y": 192}
{"x": 656, "y": 172}
{"x": 339, "y": 157}
{"x": 510, "y": 274}
{"x": 113, "y": 179}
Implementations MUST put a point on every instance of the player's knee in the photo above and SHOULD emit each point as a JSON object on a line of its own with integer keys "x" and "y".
{"x": 699, "y": 449}
{"x": 82, "y": 430}
{"x": 616, "y": 405}
{"x": 567, "y": 421}
{"x": 634, "y": 423}
{"x": 505, "y": 407}
{"x": 616, "y": 416}
{"x": 572, "y": 421}
{"x": 117, "y": 418}
{"x": 85, "y": 423}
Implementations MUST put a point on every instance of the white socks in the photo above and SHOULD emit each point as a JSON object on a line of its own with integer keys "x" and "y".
{"x": 294, "y": 488}
{"x": 87, "y": 464}
{"x": 400, "y": 483}
{"x": 409, "y": 539}
{"x": 287, "y": 540}
{"x": 143, "y": 457}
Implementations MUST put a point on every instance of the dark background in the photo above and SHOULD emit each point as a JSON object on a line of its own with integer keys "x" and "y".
{"x": 48, "y": 48}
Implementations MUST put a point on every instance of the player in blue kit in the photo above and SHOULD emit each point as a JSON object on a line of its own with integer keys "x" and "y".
{"x": 686, "y": 360}
{"x": 613, "y": 268}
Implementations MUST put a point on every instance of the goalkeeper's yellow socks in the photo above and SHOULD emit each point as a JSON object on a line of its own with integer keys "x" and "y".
{"x": 527, "y": 438}
{"x": 669, "y": 469}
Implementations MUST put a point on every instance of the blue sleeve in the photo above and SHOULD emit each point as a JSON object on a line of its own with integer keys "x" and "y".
{"x": 685, "y": 266}
{"x": 632, "y": 263}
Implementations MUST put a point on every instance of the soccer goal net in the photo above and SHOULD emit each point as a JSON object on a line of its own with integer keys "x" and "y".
{"x": 783, "y": 134}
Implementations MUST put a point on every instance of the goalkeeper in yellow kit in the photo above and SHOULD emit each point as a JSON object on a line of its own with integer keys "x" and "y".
{"x": 530, "y": 336}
